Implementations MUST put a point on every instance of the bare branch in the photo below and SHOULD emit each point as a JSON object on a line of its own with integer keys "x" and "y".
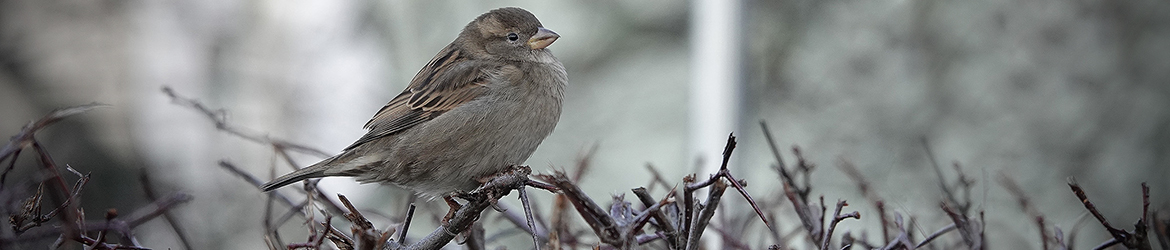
{"x": 470, "y": 212}
{"x": 837, "y": 218}
{"x": 25, "y": 137}
{"x": 603, "y": 225}
{"x": 1132, "y": 240}
{"x": 219, "y": 117}
{"x": 148, "y": 188}
{"x": 971, "y": 231}
{"x": 528, "y": 216}
{"x": 1026, "y": 206}
{"x": 936, "y": 234}
{"x": 713, "y": 196}
{"x": 664, "y": 223}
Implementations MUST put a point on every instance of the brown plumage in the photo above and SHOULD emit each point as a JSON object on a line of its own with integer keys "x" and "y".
{"x": 482, "y": 104}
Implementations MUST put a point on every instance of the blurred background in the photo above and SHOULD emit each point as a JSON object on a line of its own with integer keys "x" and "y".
{"x": 1036, "y": 90}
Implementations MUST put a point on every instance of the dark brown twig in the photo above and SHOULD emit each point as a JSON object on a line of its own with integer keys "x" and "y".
{"x": 366, "y": 236}
{"x": 603, "y": 225}
{"x": 737, "y": 183}
{"x": 1132, "y": 240}
{"x": 664, "y": 223}
{"x": 406, "y": 223}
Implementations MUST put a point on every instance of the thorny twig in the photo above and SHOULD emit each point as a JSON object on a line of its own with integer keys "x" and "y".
{"x": 604, "y": 226}
{"x": 620, "y": 227}
{"x": 726, "y": 174}
{"x": 1132, "y": 240}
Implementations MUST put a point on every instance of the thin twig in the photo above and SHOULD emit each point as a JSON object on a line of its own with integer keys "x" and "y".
{"x": 219, "y": 117}
{"x": 528, "y": 216}
{"x": 936, "y": 234}
{"x": 837, "y": 218}
{"x": 864, "y": 186}
{"x": 25, "y": 137}
{"x": 713, "y": 196}
{"x": 406, "y": 223}
{"x": 780, "y": 167}
{"x": 603, "y": 225}
{"x": 148, "y": 188}
{"x": 1026, "y": 205}
{"x": 656, "y": 177}
{"x": 942, "y": 181}
{"x": 1107, "y": 244}
{"x": 663, "y": 222}
{"x": 254, "y": 181}
{"x": 1133, "y": 240}
{"x": 972, "y": 232}
{"x": 518, "y": 219}
{"x": 70, "y": 217}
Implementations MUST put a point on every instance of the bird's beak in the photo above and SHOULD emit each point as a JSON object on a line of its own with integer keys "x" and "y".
{"x": 543, "y": 38}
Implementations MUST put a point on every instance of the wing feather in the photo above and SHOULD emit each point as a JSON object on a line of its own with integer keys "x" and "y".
{"x": 449, "y": 80}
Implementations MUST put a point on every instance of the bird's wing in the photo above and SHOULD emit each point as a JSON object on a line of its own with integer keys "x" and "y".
{"x": 449, "y": 80}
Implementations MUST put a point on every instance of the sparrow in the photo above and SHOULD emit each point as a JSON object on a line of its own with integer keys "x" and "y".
{"x": 481, "y": 105}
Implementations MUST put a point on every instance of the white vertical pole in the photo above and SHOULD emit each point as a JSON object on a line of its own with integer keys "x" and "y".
{"x": 716, "y": 41}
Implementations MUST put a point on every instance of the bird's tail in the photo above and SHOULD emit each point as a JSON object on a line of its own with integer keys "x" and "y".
{"x": 314, "y": 171}
{"x": 344, "y": 164}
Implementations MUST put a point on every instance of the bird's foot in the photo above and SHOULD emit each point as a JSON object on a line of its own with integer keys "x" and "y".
{"x": 455, "y": 206}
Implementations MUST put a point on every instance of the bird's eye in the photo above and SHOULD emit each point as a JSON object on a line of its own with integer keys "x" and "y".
{"x": 513, "y": 37}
